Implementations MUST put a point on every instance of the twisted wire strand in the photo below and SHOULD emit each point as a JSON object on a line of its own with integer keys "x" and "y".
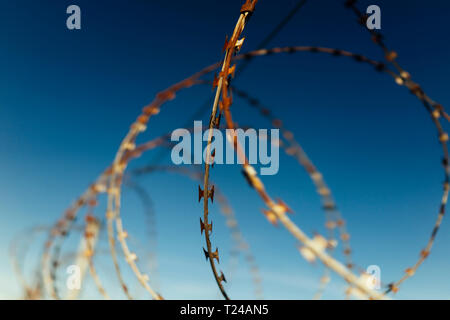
{"x": 231, "y": 47}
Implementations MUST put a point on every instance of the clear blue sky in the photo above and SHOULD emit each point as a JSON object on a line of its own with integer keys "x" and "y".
{"x": 67, "y": 99}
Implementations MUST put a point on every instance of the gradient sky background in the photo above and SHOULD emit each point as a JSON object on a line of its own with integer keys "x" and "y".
{"x": 67, "y": 99}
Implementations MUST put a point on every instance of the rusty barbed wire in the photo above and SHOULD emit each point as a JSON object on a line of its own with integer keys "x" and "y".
{"x": 231, "y": 46}
{"x": 312, "y": 248}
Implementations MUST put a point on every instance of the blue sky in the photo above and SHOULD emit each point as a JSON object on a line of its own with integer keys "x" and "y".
{"x": 67, "y": 99}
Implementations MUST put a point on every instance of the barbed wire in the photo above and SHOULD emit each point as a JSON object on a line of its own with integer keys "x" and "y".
{"x": 110, "y": 182}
